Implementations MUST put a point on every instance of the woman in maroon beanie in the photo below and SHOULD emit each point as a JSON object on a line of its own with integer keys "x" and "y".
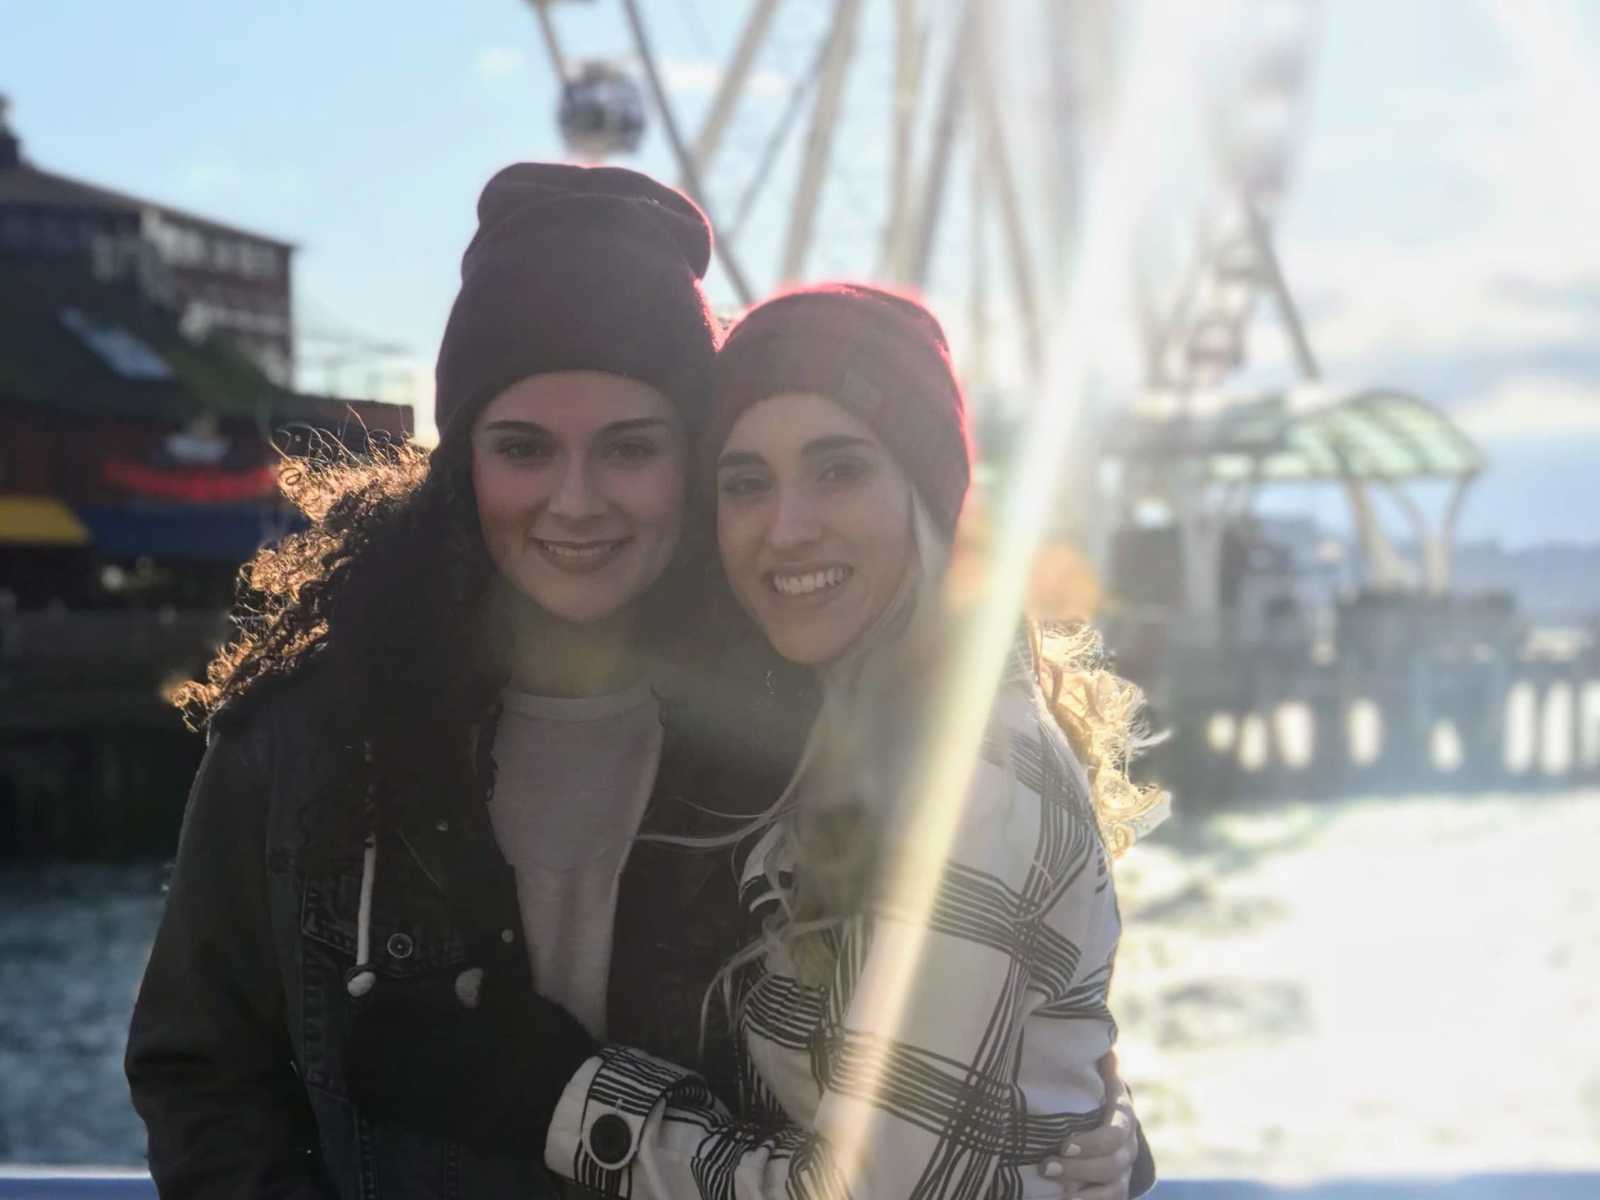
{"x": 837, "y": 438}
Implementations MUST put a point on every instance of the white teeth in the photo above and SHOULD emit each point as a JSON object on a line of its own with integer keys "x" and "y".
{"x": 578, "y": 553}
{"x": 814, "y": 581}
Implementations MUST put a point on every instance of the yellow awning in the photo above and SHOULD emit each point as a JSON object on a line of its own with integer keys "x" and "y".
{"x": 40, "y": 521}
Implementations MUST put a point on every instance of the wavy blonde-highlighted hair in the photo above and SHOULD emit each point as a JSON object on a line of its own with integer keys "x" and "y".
{"x": 858, "y": 755}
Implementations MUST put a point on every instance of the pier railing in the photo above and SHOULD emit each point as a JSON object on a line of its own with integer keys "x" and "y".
{"x": 39, "y": 1183}
{"x": 1407, "y": 694}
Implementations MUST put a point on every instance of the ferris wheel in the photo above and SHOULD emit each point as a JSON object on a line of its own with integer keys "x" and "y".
{"x": 932, "y": 144}
{"x": 943, "y": 145}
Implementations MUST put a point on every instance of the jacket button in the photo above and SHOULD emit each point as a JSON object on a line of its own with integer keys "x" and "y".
{"x": 610, "y": 1139}
{"x": 400, "y": 945}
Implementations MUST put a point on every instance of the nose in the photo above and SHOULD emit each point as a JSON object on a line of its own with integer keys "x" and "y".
{"x": 795, "y": 522}
{"x": 576, "y": 497}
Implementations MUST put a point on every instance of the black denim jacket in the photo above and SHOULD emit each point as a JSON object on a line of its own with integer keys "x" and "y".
{"x": 235, "y": 1051}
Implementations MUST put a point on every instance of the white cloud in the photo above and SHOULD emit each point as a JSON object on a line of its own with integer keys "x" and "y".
{"x": 1403, "y": 232}
{"x": 1535, "y": 408}
{"x": 499, "y": 62}
{"x": 1370, "y": 302}
{"x": 700, "y": 76}
{"x": 690, "y": 76}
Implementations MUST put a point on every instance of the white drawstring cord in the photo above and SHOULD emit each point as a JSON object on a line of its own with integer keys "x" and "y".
{"x": 361, "y": 981}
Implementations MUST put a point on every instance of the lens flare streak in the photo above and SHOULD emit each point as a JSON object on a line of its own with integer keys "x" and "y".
{"x": 1153, "y": 87}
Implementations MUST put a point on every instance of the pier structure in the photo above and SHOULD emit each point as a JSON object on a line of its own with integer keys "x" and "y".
{"x": 1284, "y": 661}
{"x": 144, "y": 414}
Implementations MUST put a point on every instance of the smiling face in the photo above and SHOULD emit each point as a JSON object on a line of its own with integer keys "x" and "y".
{"x": 579, "y": 477}
{"x": 814, "y": 524}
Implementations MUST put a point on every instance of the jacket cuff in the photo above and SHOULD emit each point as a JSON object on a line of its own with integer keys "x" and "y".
{"x": 600, "y": 1118}
{"x": 1144, "y": 1166}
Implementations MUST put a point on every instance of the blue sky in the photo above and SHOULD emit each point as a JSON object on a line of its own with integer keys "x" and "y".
{"x": 1438, "y": 231}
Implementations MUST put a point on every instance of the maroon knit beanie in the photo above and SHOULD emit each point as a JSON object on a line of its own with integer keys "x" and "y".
{"x": 881, "y": 355}
{"x": 578, "y": 268}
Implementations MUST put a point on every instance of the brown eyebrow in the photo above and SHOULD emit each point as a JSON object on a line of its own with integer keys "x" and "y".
{"x": 627, "y": 426}
{"x": 740, "y": 458}
{"x": 815, "y": 448}
{"x": 838, "y": 441}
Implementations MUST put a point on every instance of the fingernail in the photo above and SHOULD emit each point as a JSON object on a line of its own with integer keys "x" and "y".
{"x": 1052, "y": 1169}
{"x": 1073, "y": 1149}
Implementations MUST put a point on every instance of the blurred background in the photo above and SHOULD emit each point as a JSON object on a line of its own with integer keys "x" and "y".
{"x": 1328, "y": 285}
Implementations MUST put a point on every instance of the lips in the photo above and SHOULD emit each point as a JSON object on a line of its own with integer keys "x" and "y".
{"x": 814, "y": 581}
{"x": 579, "y": 556}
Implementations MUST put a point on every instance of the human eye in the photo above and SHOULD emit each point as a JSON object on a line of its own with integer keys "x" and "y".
{"x": 844, "y": 469}
{"x": 521, "y": 448}
{"x": 743, "y": 485}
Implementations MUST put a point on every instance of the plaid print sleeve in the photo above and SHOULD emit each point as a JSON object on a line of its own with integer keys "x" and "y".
{"x": 991, "y": 1061}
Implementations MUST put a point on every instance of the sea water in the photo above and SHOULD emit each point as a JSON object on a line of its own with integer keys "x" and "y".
{"x": 1368, "y": 986}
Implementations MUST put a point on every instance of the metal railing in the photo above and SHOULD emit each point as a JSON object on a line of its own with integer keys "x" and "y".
{"x": 79, "y": 1183}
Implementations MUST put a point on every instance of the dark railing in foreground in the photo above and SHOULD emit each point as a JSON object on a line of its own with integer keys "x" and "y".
{"x": 49, "y": 1183}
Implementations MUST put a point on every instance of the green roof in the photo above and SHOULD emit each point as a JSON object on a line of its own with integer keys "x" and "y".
{"x": 1372, "y": 435}
{"x": 1378, "y": 434}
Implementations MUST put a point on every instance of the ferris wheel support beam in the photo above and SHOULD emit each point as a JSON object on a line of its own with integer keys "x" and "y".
{"x": 732, "y": 83}
{"x": 551, "y": 42}
{"x": 1006, "y": 195}
{"x": 977, "y": 365}
{"x": 1164, "y": 331}
{"x": 1288, "y": 311}
{"x": 680, "y": 150}
{"x": 946, "y": 124}
{"x": 907, "y": 100}
{"x": 1065, "y": 135}
{"x": 841, "y": 45}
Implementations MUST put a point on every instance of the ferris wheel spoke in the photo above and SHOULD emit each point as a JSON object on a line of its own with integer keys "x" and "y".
{"x": 908, "y": 58}
{"x": 1008, "y": 200}
{"x": 824, "y": 118}
{"x": 778, "y": 138}
{"x": 978, "y": 284}
{"x": 691, "y": 177}
{"x": 732, "y": 83}
{"x": 552, "y": 43}
{"x": 952, "y": 96}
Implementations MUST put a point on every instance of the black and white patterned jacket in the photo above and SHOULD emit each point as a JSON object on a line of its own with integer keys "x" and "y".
{"x": 991, "y": 1063}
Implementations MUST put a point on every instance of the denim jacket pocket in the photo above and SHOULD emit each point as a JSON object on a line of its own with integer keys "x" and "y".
{"x": 410, "y": 934}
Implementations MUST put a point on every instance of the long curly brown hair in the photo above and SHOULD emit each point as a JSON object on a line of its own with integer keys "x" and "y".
{"x": 387, "y": 594}
{"x": 385, "y": 590}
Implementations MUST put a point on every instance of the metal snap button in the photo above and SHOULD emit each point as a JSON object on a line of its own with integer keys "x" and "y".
{"x": 400, "y": 945}
{"x": 507, "y": 936}
{"x": 610, "y": 1139}
{"x": 442, "y": 826}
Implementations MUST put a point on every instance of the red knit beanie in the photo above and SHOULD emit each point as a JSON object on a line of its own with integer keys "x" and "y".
{"x": 882, "y": 355}
{"x": 578, "y": 268}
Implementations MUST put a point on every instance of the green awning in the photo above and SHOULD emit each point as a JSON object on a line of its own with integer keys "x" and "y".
{"x": 1377, "y": 434}
{"x": 1383, "y": 435}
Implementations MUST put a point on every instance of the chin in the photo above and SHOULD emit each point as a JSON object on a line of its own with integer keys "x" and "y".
{"x": 808, "y": 649}
{"x": 570, "y": 610}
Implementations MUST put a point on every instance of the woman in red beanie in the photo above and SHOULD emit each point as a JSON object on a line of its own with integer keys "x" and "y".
{"x": 837, "y": 435}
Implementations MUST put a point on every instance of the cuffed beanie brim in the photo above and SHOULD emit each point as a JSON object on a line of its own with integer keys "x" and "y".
{"x": 881, "y": 355}
{"x": 578, "y": 268}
